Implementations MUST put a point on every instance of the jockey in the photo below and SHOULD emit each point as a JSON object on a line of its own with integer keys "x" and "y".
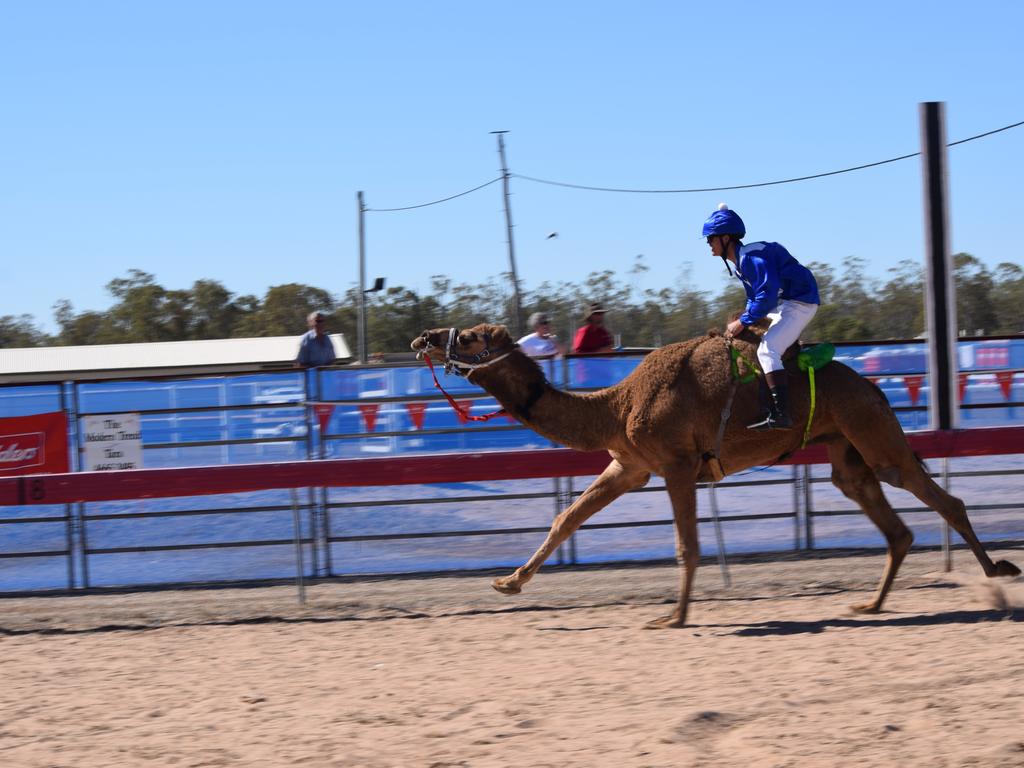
{"x": 779, "y": 288}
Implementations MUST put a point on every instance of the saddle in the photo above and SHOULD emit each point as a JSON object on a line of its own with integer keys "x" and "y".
{"x": 809, "y": 360}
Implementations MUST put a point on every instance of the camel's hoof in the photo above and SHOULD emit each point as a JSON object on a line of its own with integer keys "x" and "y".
{"x": 506, "y": 585}
{"x": 666, "y": 622}
{"x": 1006, "y": 568}
{"x": 866, "y": 608}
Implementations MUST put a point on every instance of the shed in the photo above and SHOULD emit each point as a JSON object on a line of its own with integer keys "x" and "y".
{"x": 164, "y": 358}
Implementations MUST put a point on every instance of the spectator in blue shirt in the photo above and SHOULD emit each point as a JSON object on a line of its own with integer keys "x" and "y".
{"x": 315, "y": 348}
{"x": 778, "y": 288}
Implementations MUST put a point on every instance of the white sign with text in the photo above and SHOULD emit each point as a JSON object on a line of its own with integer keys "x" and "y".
{"x": 112, "y": 442}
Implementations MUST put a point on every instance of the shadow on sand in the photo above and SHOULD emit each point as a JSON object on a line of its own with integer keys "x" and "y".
{"x": 879, "y": 621}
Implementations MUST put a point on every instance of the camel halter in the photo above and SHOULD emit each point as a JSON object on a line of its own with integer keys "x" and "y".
{"x": 457, "y": 364}
{"x": 463, "y": 365}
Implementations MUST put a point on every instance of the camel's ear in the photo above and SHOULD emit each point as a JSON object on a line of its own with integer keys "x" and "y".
{"x": 466, "y": 338}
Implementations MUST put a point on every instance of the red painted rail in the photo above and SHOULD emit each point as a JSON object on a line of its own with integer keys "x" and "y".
{"x": 408, "y": 470}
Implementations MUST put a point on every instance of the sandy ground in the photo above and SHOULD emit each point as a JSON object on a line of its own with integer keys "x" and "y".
{"x": 445, "y": 672}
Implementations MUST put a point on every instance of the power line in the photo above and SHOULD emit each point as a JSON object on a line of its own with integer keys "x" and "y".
{"x": 987, "y": 133}
{"x": 436, "y": 202}
{"x": 686, "y": 191}
{"x": 760, "y": 184}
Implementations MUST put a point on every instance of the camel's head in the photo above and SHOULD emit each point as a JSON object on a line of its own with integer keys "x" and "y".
{"x": 464, "y": 351}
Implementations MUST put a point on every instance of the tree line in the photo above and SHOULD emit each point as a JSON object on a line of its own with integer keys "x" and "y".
{"x": 855, "y": 307}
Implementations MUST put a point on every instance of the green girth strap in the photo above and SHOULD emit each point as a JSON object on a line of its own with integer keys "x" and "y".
{"x": 810, "y": 360}
{"x": 735, "y": 357}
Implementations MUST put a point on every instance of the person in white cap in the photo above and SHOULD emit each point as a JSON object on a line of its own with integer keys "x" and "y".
{"x": 541, "y": 342}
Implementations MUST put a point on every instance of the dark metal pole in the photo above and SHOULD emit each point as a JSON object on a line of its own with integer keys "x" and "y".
{"x": 69, "y": 521}
{"x": 947, "y": 551}
{"x": 361, "y": 331}
{"x": 719, "y": 538}
{"x": 808, "y": 509}
{"x": 83, "y": 539}
{"x": 797, "y": 493}
{"x": 517, "y": 321}
{"x": 325, "y": 515}
{"x": 310, "y": 397}
{"x": 299, "y": 565}
{"x": 311, "y": 493}
{"x": 940, "y": 298}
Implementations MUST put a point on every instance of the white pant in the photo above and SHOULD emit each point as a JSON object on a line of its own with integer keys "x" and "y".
{"x": 788, "y": 319}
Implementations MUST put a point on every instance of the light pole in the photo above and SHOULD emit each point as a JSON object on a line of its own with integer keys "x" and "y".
{"x": 517, "y": 320}
{"x": 378, "y": 283}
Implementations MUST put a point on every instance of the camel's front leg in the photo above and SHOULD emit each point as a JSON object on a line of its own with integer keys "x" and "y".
{"x": 609, "y": 485}
{"x": 681, "y": 484}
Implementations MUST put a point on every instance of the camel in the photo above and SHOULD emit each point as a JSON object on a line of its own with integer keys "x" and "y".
{"x": 664, "y": 419}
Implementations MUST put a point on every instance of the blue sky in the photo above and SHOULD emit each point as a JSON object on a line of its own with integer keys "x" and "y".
{"x": 227, "y": 140}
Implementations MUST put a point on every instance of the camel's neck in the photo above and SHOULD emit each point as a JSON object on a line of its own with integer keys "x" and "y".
{"x": 586, "y": 422}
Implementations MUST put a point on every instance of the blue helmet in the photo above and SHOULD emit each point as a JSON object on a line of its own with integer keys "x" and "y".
{"x": 724, "y": 222}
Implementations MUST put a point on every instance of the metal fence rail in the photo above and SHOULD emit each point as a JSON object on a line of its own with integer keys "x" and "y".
{"x": 224, "y": 419}
{"x": 312, "y": 540}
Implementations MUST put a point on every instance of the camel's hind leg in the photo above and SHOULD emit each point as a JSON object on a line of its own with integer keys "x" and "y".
{"x": 609, "y": 485}
{"x": 917, "y": 481}
{"x": 852, "y": 476}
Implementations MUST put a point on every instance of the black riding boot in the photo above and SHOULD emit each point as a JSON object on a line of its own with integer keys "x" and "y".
{"x": 780, "y": 411}
{"x": 764, "y": 402}
{"x": 777, "y": 416}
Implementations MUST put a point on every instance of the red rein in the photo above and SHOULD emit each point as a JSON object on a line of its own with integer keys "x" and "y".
{"x": 463, "y": 412}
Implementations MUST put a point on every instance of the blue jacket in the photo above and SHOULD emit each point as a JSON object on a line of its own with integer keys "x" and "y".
{"x": 769, "y": 273}
{"x": 315, "y": 350}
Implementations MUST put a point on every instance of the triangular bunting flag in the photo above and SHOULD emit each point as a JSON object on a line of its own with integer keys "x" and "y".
{"x": 417, "y": 411}
{"x": 913, "y": 385}
{"x": 369, "y": 411}
{"x": 323, "y": 412}
{"x": 463, "y": 410}
{"x": 1005, "y": 379}
{"x": 962, "y": 381}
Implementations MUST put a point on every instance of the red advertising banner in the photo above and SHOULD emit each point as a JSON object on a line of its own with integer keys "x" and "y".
{"x": 962, "y": 381}
{"x": 33, "y": 444}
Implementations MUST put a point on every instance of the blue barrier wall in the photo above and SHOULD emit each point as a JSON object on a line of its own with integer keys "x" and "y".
{"x": 206, "y": 420}
{"x": 266, "y": 417}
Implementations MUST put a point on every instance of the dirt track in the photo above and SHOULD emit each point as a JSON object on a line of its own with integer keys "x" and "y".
{"x": 446, "y": 672}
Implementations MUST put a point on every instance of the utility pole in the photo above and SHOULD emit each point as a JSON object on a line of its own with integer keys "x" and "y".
{"x": 516, "y": 303}
{"x": 361, "y": 330}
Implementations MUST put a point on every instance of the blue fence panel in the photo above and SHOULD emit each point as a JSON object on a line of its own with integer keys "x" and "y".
{"x": 265, "y": 417}
{"x": 30, "y": 399}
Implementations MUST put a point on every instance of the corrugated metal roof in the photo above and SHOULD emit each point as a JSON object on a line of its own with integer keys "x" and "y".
{"x": 158, "y": 358}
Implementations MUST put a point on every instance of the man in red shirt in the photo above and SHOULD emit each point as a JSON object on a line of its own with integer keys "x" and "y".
{"x": 593, "y": 336}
